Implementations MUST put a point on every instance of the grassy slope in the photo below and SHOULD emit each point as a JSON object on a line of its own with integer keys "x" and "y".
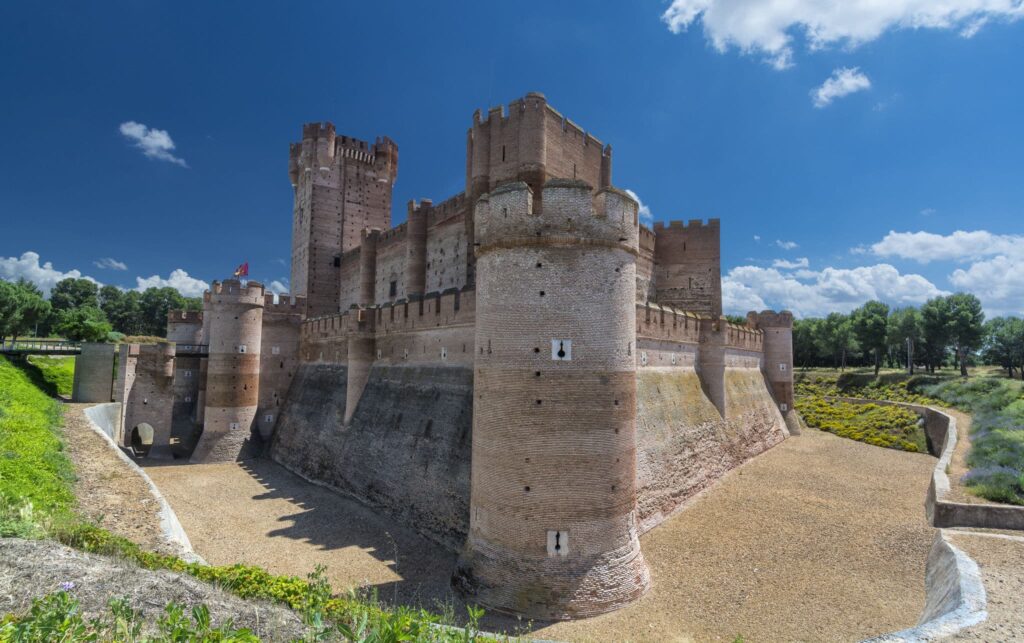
{"x": 58, "y": 373}
{"x": 35, "y": 475}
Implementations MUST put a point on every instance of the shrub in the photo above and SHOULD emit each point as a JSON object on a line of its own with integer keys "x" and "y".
{"x": 885, "y": 426}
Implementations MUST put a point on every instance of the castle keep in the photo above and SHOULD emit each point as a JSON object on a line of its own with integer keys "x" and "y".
{"x": 522, "y": 372}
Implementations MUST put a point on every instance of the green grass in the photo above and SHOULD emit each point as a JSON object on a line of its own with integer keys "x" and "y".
{"x": 35, "y": 474}
{"x": 58, "y": 373}
{"x": 37, "y": 501}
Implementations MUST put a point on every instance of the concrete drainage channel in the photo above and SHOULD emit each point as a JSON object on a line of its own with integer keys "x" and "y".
{"x": 104, "y": 419}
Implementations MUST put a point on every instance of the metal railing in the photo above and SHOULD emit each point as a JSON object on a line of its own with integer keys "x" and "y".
{"x": 40, "y": 347}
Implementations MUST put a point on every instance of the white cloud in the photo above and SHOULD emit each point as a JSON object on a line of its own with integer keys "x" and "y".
{"x": 767, "y": 27}
{"x": 644, "y": 211}
{"x": 925, "y": 247}
{"x": 843, "y": 82}
{"x": 999, "y": 283}
{"x": 784, "y": 264}
{"x": 154, "y": 143}
{"x": 111, "y": 263}
{"x": 178, "y": 279}
{"x": 927, "y": 212}
{"x": 786, "y": 245}
{"x": 44, "y": 276}
{"x": 815, "y": 293}
{"x": 278, "y": 286}
{"x": 757, "y": 238}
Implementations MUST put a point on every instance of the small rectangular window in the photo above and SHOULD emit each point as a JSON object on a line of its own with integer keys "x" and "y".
{"x": 275, "y": 350}
{"x": 233, "y": 426}
{"x": 782, "y": 367}
{"x": 268, "y": 418}
{"x": 393, "y": 289}
{"x": 241, "y": 348}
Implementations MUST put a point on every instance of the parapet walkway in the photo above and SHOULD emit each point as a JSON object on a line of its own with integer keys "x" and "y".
{"x": 821, "y": 538}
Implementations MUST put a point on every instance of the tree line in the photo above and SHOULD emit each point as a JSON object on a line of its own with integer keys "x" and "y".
{"x": 948, "y": 330}
{"x": 81, "y": 310}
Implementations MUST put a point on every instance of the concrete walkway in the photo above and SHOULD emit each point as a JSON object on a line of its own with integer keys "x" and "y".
{"x": 821, "y": 539}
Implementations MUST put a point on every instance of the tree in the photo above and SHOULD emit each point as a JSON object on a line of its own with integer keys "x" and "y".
{"x": 835, "y": 338}
{"x": 73, "y": 293}
{"x": 153, "y": 307}
{"x": 905, "y": 332}
{"x": 87, "y": 324}
{"x": 935, "y": 331}
{"x": 805, "y": 350}
{"x": 10, "y": 308}
{"x": 22, "y": 307}
{"x": 966, "y": 326}
{"x": 1004, "y": 343}
{"x": 870, "y": 326}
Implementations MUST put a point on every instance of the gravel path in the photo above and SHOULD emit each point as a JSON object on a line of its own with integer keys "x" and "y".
{"x": 820, "y": 538}
{"x": 108, "y": 491}
{"x": 259, "y": 513}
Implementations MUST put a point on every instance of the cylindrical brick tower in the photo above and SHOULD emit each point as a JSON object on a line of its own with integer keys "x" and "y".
{"x": 234, "y": 317}
{"x": 553, "y": 529}
{"x": 416, "y": 244}
{"x": 778, "y": 353}
{"x": 368, "y": 266}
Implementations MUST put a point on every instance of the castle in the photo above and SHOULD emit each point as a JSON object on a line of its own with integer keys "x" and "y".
{"x": 522, "y": 372}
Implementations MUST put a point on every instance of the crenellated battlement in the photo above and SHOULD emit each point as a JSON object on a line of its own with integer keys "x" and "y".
{"x": 770, "y": 319}
{"x": 742, "y": 337}
{"x": 250, "y": 292}
{"x": 692, "y": 224}
{"x": 285, "y": 303}
{"x": 392, "y": 235}
{"x": 184, "y": 316}
{"x": 571, "y": 211}
{"x": 656, "y": 321}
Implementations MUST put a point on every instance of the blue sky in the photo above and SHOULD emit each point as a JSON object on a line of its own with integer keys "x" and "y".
{"x": 812, "y": 130}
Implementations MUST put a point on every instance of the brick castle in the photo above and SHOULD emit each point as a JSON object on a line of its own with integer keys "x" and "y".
{"x": 522, "y": 372}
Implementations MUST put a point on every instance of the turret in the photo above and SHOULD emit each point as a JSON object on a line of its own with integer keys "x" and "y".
{"x": 234, "y": 313}
{"x": 778, "y": 353}
{"x": 416, "y": 248}
{"x": 553, "y": 527}
{"x": 368, "y": 266}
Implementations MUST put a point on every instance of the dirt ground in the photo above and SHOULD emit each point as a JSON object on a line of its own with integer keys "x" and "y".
{"x": 109, "y": 492}
{"x": 820, "y": 538}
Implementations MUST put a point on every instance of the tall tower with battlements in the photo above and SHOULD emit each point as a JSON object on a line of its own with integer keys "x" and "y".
{"x": 532, "y": 143}
{"x": 342, "y": 185}
{"x": 553, "y": 525}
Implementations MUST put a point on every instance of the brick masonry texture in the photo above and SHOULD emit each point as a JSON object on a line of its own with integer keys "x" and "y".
{"x": 521, "y": 371}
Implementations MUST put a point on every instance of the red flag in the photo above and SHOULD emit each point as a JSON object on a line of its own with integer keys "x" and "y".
{"x": 243, "y": 270}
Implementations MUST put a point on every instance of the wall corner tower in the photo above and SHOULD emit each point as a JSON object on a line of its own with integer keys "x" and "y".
{"x": 553, "y": 526}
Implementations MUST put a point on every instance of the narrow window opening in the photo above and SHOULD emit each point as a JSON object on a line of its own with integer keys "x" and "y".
{"x": 502, "y": 153}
